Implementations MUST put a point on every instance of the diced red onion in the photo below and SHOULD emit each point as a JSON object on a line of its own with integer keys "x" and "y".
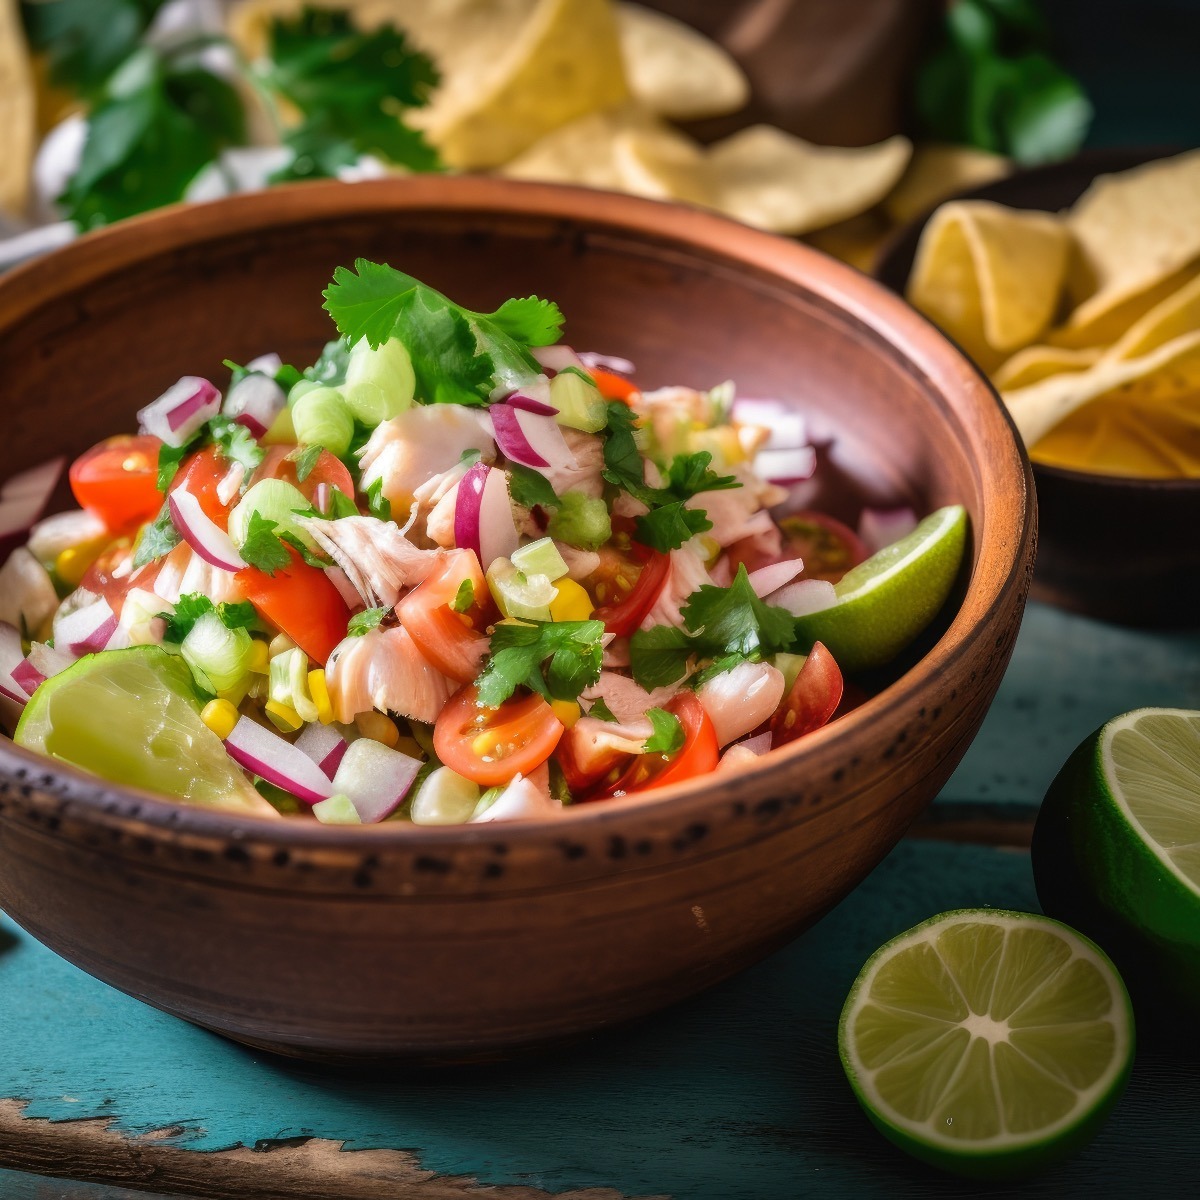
{"x": 49, "y": 538}
{"x": 789, "y": 465}
{"x": 87, "y": 630}
{"x": 346, "y": 589}
{"x": 24, "y": 498}
{"x": 511, "y": 439}
{"x": 180, "y": 411}
{"x": 607, "y": 362}
{"x": 557, "y": 358}
{"x": 47, "y": 660}
{"x": 324, "y": 745}
{"x": 27, "y": 676}
{"x": 529, "y": 404}
{"x": 321, "y": 498}
{"x": 277, "y": 761}
{"x": 204, "y": 535}
{"x": 483, "y": 519}
{"x": 376, "y": 778}
{"x": 771, "y": 578}
{"x": 11, "y": 659}
{"x": 540, "y": 438}
{"x": 804, "y": 596}
{"x": 879, "y": 527}
{"x": 255, "y": 401}
{"x": 760, "y": 743}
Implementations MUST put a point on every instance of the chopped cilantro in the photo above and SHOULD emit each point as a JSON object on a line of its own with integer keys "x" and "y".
{"x": 235, "y": 443}
{"x": 529, "y": 489}
{"x": 363, "y": 622}
{"x": 601, "y": 711}
{"x": 622, "y": 458}
{"x": 464, "y": 598}
{"x": 191, "y": 607}
{"x": 305, "y": 460}
{"x": 378, "y": 505}
{"x": 668, "y": 527}
{"x": 659, "y": 655}
{"x": 169, "y": 458}
{"x": 668, "y": 736}
{"x": 312, "y": 557}
{"x": 157, "y": 538}
{"x": 330, "y": 368}
{"x": 340, "y": 505}
{"x": 556, "y": 659}
{"x": 263, "y": 547}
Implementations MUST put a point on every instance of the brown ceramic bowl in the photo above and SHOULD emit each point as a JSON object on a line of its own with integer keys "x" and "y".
{"x": 1109, "y": 546}
{"x": 469, "y": 942}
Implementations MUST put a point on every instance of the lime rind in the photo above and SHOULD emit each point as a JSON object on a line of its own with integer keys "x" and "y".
{"x": 1021, "y": 1058}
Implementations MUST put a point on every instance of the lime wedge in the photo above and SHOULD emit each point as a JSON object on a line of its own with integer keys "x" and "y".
{"x": 1116, "y": 849}
{"x": 131, "y": 717}
{"x": 988, "y": 1043}
{"x": 885, "y": 602}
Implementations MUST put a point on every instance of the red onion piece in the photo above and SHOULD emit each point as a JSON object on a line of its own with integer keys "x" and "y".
{"x": 23, "y": 499}
{"x": 607, "y": 362}
{"x": 255, "y": 401}
{"x": 376, "y": 778}
{"x": 771, "y": 578}
{"x": 324, "y": 745}
{"x": 791, "y": 465}
{"x": 511, "y": 439}
{"x": 529, "y": 404}
{"x": 804, "y": 596}
{"x": 760, "y": 743}
{"x": 180, "y": 411}
{"x": 321, "y": 498}
{"x": 498, "y": 536}
{"x": 557, "y": 358}
{"x": 544, "y": 436}
{"x": 47, "y": 660}
{"x": 27, "y": 676}
{"x": 879, "y": 527}
{"x": 204, "y": 536}
{"x": 11, "y": 659}
{"x": 277, "y": 761}
{"x": 87, "y": 630}
{"x": 468, "y": 504}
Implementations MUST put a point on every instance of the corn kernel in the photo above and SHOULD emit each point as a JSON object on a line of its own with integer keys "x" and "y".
{"x": 377, "y": 727}
{"x": 572, "y": 602}
{"x": 567, "y": 711}
{"x": 260, "y": 657}
{"x": 318, "y": 689}
{"x": 72, "y": 564}
{"x": 283, "y": 716}
{"x": 220, "y": 716}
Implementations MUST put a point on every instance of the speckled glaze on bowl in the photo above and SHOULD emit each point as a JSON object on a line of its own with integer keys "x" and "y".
{"x": 475, "y": 942}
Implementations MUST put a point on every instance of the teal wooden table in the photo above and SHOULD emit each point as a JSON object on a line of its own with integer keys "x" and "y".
{"x": 737, "y": 1095}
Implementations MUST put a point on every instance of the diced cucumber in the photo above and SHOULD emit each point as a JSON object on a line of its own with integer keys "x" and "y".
{"x": 540, "y": 558}
{"x": 274, "y": 500}
{"x": 581, "y": 521}
{"x": 380, "y": 384}
{"x": 578, "y": 400}
{"x": 526, "y": 597}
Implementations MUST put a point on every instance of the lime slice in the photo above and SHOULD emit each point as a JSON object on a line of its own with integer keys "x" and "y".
{"x": 885, "y": 602}
{"x": 1117, "y": 848}
{"x": 988, "y": 1043}
{"x": 131, "y": 717}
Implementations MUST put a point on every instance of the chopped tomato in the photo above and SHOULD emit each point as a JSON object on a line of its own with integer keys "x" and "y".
{"x": 828, "y": 547}
{"x": 277, "y": 463}
{"x": 613, "y": 386}
{"x": 812, "y": 700}
{"x": 698, "y": 756}
{"x": 490, "y": 745}
{"x": 110, "y": 575}
{"x": 117, "y": 479}
{"x": 302, "y": 602}
{"x": 583, "y": 775}
{"x": 450, "y": 640}
{"x": 200, "y": 473}
{"x": 626, "y": 585}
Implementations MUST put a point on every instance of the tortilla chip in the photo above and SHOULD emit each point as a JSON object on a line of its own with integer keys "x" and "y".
{"x": 856, "y": 241}
{"x": 990, "y": 276}
{"x": 781, "y": 183}
{"x": 1172, "y": 317}
{"x": 938, "y": 172}
{"x": 18, "y": 111}
{"x": 1165, "y": 375}
{"x": 675, "y": 71}
{"x": 664, "y": 165}
{"x": 1132, "y": 231}
{"x": 1035, "y": 363}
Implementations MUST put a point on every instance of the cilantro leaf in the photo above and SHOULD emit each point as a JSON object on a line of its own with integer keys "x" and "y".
{"x": 529, "y": 489}
{"x": 659, "y": 655}
{"x": 340, "y": 505}
{"x": 689, "y": 475}
{"x": 555, "y": 659}
{"x": 350, "y": 87}
{"x": 169, "y": 458}
{"x": 622, "y": 459}
{"x": 263, "y": 547}
{"x": 530, "y": 320}
{"x": 305, "y": 460}
{"x": 157, "y": 538}
{"x": 668, "y": 736}
{"x": 330, "y": 367}
{"x": 312, "y": 557}
{"x": 236, "y": 443}
{"x": 734, "y": 620}
{"x": 191, "y": 607}
{"x": 601, "y": 711}
{"x": 378, "y": 505}
{"x": 668, "y": 527}
{"x": 363, "y": 622}
{"x": 446, "y": 360}
{"x": 464, "y": 598}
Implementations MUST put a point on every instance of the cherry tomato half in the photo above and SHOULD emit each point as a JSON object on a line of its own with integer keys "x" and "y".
{"x": 626, "y": 586}
{"x": 200, "y": 473}
{"x": 450, "y": 640}
{"x": 828, "y": 547}
{"x": 117, "y": 479}
{"x": 490, "y": 745}
{"x": 613, "y": 386}
{"x": 277, "y": 463}
{"x": 699, "y": 755}
{"x": 812, "y": 700}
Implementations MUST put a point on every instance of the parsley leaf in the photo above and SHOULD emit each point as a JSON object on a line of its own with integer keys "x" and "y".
{"x": 363, "y": 622}
{"x": 555, "y": 659}
{"x": 659, "y": 655}
{"x": 668, "y": 736}
{"x": 601, "y": 711}
{"x": 529, "y": 489}
{"x": 378, "y": 505}
{"x": 734, "y": 620}
{"x": 192, "y": 606}
{"x": 263, "y": 547}
{"x": 464, "y": 598}
{"x": 156, "y": 539}
{"x": 305, "y": 460}
{"x": 350, "y": 88}
{"x": 236, "y": 443}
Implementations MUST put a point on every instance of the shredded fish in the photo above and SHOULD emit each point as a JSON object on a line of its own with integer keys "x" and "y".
{"x": 627, "y": 700}
{"x": 384, "y": 669}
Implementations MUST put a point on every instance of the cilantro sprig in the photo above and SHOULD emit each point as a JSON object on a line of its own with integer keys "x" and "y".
{"x": 555, "y": 659}
{"x": 234, "y": 442}
{"x": 194, "y": 605}
{"x": 668, "y": 736}
{"x": 362, "y": 623}
{"x": 727, "y": 624}
{"x": 157, "y": 538}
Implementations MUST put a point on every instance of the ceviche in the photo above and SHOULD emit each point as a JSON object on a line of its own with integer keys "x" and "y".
{"x": 453, "y": 571}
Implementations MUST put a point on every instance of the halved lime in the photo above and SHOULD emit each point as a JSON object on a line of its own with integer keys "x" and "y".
{"x": 1116, "y": 849}
{"x": 988, "y": 1043}
{"x": 132, "y": 717}
{"x": 885, "y": 602}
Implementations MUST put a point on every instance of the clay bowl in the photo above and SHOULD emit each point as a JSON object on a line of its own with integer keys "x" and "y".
{"x": 474, "y": 942}
{"x": 1108, "y": 546}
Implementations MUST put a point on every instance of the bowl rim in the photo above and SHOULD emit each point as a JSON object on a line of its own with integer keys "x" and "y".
{"x": 718, "y": 240}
